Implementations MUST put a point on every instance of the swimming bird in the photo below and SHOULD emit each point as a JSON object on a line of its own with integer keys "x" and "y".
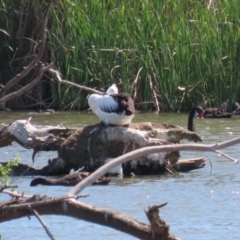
{"x": 69, "y": 180}
{"x": 113, "y": 108}
{"x": 195, "y": 109}
{"x": 215, "y": 113}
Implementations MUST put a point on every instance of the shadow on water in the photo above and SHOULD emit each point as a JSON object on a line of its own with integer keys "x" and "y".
{"x": 204, "y": 204}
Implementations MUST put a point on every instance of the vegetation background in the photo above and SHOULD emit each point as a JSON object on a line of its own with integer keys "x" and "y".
{"x": 188, "y": 51}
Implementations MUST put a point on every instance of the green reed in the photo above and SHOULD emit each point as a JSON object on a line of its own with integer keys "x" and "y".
{"x": 189, "y": 53}
{"x": 178, "y": 44}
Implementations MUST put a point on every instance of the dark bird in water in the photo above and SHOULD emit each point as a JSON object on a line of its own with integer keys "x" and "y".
{"x": 69, "y": 180}
{"x": 192, "y": 113}
{"x": 215, "y": 113}
{"x": 113, "y": 108}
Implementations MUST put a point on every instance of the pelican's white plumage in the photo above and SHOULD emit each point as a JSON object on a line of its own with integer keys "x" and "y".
{"x": 116, "y": 170}
{"x": 112, "y": 108}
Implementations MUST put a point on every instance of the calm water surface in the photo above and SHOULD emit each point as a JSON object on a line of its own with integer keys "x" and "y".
{"x": 205, "y": 204}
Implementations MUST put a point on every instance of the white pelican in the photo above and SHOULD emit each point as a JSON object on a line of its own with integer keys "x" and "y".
{"x": 112, "y": 108}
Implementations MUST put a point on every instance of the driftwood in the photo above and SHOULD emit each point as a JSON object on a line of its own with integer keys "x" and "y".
{"x": 31, "y": 137}
{"x": 159, "y": 226}
{"x": 90, "y": 147}
{"x": 21, "y": 206}
{"x": 186, "y": 165}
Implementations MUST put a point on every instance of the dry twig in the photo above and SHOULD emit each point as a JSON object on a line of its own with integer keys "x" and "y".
{"x": 42, "y": 223}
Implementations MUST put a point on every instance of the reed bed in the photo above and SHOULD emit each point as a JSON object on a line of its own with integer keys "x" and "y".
{"x": 188, "y": 51}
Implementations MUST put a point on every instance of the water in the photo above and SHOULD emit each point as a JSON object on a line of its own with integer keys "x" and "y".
{"x": 202, "y": 205}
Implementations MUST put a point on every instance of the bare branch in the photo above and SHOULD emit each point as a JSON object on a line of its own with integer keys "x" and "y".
{"x": 28, "y": 68}
{"x": 15, "y": 194}
{"x": 78, "y": 210}
{"x": 134, "y": 85}
{"x": 226, "y": 156}
{"x": 61, "y": 81}
{"x": 154, "y": 94}
{"x": 145, "y": 151}
{"x": 27, "y": 87}
{"x": 42, "y": 223}
{"x": 7, "y": 186}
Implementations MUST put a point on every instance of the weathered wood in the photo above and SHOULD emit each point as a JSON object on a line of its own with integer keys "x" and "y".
{"x": 92, "y": 146}
{"x": 158, "y": 225}
{"x": 31, "y": 137}
{"x": 186, "y": 165}
{"x": 68, "y": 207}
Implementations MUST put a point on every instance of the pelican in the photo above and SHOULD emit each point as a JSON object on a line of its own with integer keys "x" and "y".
{"x": 112, "y": 108}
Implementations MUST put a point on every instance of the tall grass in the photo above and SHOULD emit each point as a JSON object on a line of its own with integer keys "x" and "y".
{"x": 178, "y": 44}
{"x": 189, "y": 52}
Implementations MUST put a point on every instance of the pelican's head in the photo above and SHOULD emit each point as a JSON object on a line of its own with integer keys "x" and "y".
{"x": 113, "y": 89}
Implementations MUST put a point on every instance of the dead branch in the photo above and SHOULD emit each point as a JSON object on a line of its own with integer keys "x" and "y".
{"x": 42, "y": 223}
{"x": 226, "y": 156}
{"x": 7, "y": 186}
{"x": 134, "y": 85}
{"x": 154, "y": 94}
{"x": 61, "y": 81}
{"x": 158, "y": 225}
{"x": 28, "y": 68}
{"x": 145, "y": 151}
{"x": 28, "y": 136}
{"x": 18, "y": 93}
{"x": 72, "y": 208}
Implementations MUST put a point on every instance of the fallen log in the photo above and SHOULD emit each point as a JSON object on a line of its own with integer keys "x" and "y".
{"x": 90, "y": 147}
